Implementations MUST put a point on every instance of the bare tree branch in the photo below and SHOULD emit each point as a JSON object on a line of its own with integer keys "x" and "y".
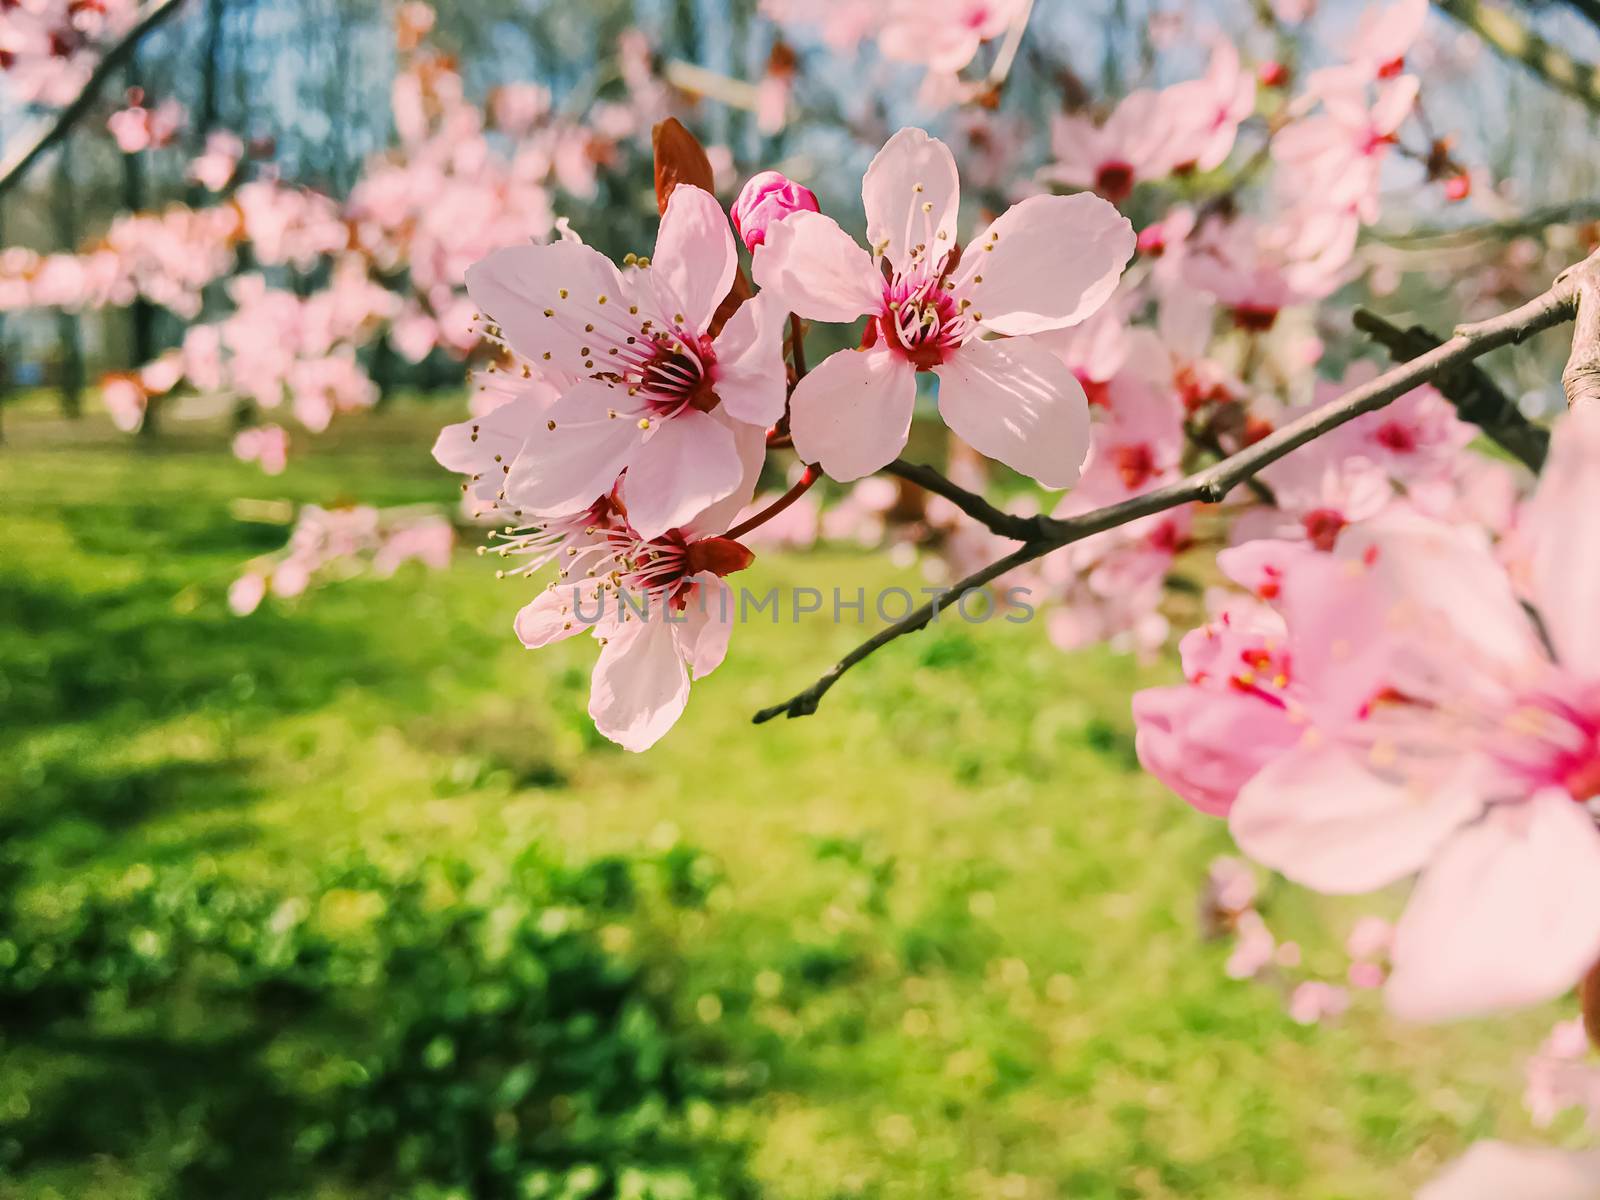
{"x": 16, "y": 165}
{"x": 1047, "y": 534}
{"x": 1532, "y": 222}
{"x": 1581, "y": 377}
{"x": 1477, "y": 398}
{"x": 1514, "y": 40}
{"x": 975, "y": 506}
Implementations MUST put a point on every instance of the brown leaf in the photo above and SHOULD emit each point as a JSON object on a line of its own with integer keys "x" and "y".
{"x": 680, "y": 158}
{"x": 1589, "y": 997}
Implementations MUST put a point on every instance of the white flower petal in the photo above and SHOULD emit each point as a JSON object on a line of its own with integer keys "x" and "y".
{"x": 1018, "y": 403}
{"x": 640, "y": 686}
{"x": 912, "y": 195}
{"x": 1045, "y": 263}
{"x": 852, "y": 413}
{"x": 688, "y": 463}
{"x": 815, "y": 269}
{"x": 752, "y": 380}
{"x": 694, "y": 259}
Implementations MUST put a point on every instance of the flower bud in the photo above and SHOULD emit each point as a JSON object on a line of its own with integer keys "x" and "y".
{"x": 766, "y": 199}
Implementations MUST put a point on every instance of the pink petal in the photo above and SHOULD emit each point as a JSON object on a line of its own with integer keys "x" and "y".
{"x": 816, "y": 269}
{"x": 707, "y": 625}
{"x": 480, "y": 446}
{"x": 515, "y": 287}
{"x": 1565, "y": 552}
{"x": 852, "y": 413}
{"x": 1318, "y": 816}
{"x": 1206, "y": 745}
{"x": 1342, "y": 650}
{"x": 1497, "y": 1171}
{"x": 569, "y": 467}
{"x": 1018, "y": 403}
{"x": 695, "y": 258}
{"x": 912, "y": 194}
{"x": 752, "y": 381}
{"x": 751, "y": 442}
{"x": 562, "y": 610}
{"x": 1045, "y": 263}
{"x": 687, "y": 463}
{"x": 639, "y": 687}
{"x": 1507, "y": 915}
{"x": 1449, "y": 582}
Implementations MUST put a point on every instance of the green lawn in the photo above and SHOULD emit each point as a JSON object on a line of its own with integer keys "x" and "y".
{"x": 952, "y": 949}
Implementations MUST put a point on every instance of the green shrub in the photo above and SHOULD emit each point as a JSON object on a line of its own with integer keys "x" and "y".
{"x": 429, "y": 1034}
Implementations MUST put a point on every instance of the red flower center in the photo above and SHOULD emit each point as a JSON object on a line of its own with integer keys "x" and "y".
{"x": 1114, "y": 180}
{"x": 1322, "y": 526}
{"x": 677, "y": 376}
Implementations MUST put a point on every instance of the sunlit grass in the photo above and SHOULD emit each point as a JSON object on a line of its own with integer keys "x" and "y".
{"x": 956, "y": 939}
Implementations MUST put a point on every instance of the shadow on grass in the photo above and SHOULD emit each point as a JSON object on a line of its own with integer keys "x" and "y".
{"x": 68, "y": 658}
{"x": 69, "y": 810}
{"x": 223, "y": 1124}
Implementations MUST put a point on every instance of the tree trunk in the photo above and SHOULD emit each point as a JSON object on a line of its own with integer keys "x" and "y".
{"x": 141, "y": 314}
{"x": 69, "y": 334}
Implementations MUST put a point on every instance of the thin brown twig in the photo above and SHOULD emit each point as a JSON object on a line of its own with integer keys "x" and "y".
{"x": 1010, "y": 525}
{"x": 1211, "y": 485}
{"x": 797, "y": 346}
{"x": 17, "y": 165}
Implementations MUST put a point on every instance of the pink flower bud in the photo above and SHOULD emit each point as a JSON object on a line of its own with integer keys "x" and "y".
{"x": 766, "y": 199}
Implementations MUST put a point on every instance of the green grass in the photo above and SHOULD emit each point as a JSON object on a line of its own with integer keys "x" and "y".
{"x": 954, "y": 944}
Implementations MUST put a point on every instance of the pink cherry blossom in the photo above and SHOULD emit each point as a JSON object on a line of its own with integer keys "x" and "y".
{"x": 1471, "y": 759}
{"x": 137, "y": 128}
{"x": 1498, "y": 1171}
{"x": 1150, "y": 134}
{"x": 1046, "y": 263}
{"x": 246, "y": 593}
{"x": 943, "y": 34}
{"x": 126, "y": 400}
{"x": 1386, "y": 33}
{"x": 1313, "y": 1001}
{"x": 657, "y": 396}
{"x": 265, "y": 445}
{"x": 1236, "y": 714}
{"x": 1562, "y": 1076}
{"x": 659, "y": 609}
{"x": 768, "y": 197}
{"x": 1132, "y": 145}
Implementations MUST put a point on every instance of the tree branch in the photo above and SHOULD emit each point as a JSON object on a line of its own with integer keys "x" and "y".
{"x": 1514, "y": 40}
{"x": 16, "y": 166}
{"x": 1477, "y": 398}
{"x": 1534, "y": 221}
{"x": 1581, "y": 377}
{"x": 975, "y": 506}
{"x": 1556, "y": 305}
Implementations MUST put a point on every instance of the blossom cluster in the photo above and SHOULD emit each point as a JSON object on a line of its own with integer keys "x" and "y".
{"x": 329, "y": 278}
{"x": 632, "y": 425}
{"x": 341, "y": 543}
{"x": 48, "y": 48}
{"x": 1411, "y": 697}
